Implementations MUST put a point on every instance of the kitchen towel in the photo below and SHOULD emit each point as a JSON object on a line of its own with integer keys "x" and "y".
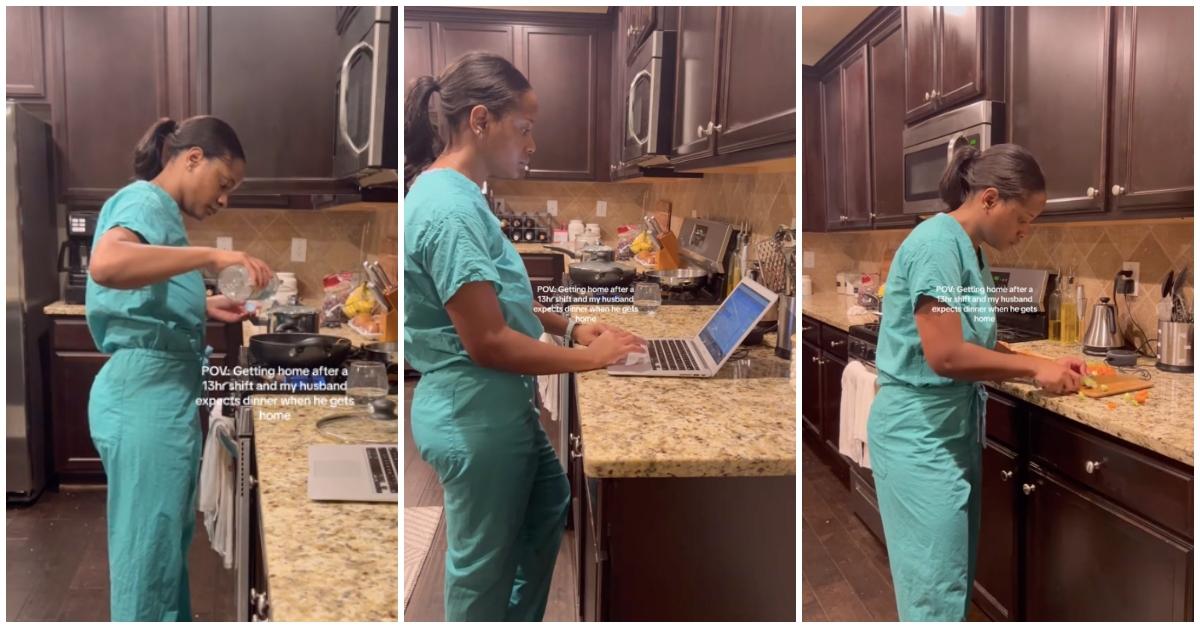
{"x": 216, "y": 495}
{"x": 858, "y": 392}
{"x": 420, "y": 525}
{"x": 548, "y": 385}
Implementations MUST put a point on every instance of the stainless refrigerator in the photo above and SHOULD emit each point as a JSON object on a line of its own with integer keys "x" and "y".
{"x": 31, "y": 232}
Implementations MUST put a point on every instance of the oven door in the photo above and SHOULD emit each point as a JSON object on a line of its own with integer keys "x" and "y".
{"x": 925, "y": 163}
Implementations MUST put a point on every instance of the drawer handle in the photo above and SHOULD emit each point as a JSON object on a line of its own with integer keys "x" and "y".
{"x": 576, "y": 447}
{"x": 1006, "y": 475}
{"x": 816, "y": 360}
{"x": 806, "y": 327}
{"x": 836, "y": 343}
{"x": 1092, "y": 466}
{"x": 1028, "y": 489}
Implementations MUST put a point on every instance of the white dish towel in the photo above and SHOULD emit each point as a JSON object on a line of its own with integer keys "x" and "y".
{"x": 548, "y": 385}
{"x": 858, "y": 392}
{"x": 217, "y": 492}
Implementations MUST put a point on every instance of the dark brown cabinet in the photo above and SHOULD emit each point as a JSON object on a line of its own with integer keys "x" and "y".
{"x": 920, "y": 63}
{"x": 846, "y": 142}
{"x": 545, "y": 272}
{"x": 833, "y": 148}
{"x": 455, "y": 39}
{"x": 810, "y": 388}
{"x": 1153, "y": 102}
{"x": 695, "y": 80}
{"x": 960, "y": 54}
{"x": 634, "y": 26}
{"x": 996, "y": 574}
{"x": 1087, "y": 559}
{"x": 418, "y": 52}
{"x": 823, "y": 351}
{"x": 831, "y": 399}
{"x": 812, "y": 165}
{"x": 952, "y": 56}
{"x": 886, "y": 58}
{"x": 25, "y": 53}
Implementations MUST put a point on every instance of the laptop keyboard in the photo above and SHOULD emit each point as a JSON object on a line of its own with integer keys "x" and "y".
{"x": 671, "y": 355}
{"x": 384, "y": 461}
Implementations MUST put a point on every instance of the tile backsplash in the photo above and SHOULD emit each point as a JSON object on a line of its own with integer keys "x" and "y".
{"x": 1095, "y": 251}
{"x": 337, "y": 240}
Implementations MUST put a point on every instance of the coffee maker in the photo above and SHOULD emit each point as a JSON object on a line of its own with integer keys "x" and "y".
{"x": 74, "y": 254}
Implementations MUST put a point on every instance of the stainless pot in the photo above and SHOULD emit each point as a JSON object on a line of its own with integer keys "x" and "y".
{"x": 595, "y": 271}
{"x": 293, "y": 319}
{"x": 679, "y": 278}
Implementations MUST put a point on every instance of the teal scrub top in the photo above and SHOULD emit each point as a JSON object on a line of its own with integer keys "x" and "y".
{"x": 452, "y": 238}
{"x": 937, "y": 259}
{"x": 166, "y": 316}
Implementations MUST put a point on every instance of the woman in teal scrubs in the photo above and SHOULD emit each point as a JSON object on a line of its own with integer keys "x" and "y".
{"x": 937, "y": 344}
{"x": 147, "y": 308}
{"x": 471, "y": 331}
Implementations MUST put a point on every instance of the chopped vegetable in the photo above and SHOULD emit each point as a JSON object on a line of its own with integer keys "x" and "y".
{"x": 1090, "y": 382}
{"x": 1104, "y": 387}
{"x": 1112, "y": 405}
{"x": 1082, "y": 395}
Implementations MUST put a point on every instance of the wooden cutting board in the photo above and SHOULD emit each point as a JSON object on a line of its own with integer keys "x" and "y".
{"x": 1117, "y": 385}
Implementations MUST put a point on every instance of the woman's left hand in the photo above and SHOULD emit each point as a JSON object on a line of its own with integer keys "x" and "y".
{"x": 587, "y": 332}
{"x": 224, "y": 309}
{"x": 1074, "y": 363}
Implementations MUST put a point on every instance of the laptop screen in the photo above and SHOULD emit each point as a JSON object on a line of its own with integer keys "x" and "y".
{"x": 736, "y": 315}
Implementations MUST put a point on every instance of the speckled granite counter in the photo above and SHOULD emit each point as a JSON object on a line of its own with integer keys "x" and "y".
{"x": 740, "y": 423}
{"x": 326, "y": 561}
{"x": 830, "y": 308}
{"x": 1164, "y": 425}
{"x": 62, "y": 308}
{"x": 525, "y": 247}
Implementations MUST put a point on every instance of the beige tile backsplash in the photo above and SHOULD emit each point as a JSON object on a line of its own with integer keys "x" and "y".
{"x": 1094, "y": 250}
{"x": 337, "y": 240}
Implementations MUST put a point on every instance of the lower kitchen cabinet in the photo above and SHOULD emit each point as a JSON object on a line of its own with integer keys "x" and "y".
{"x": 74, "y": 363}
{"x": 996, "y": 572}
{"x": 810, "y": 388}
{"x": 545, "y": 271}
{"x": 823, "y": 356}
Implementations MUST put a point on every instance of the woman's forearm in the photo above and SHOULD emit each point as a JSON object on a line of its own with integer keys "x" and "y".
{"x": 975, "y": 363}
{"x": 127, "y": 265}
{"x": 515, "y": 352}
{"x": 553, "y": 323}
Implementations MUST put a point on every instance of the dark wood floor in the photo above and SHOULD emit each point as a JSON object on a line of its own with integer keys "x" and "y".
{"x": 57, "y": 567}
{"x": 845, "y": 570}
{"x": 421, "y": 488}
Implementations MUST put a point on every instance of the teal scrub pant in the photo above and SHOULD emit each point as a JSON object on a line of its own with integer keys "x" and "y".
{"x": 506, "y": 503}
{"x": 927, "y": 462}
{"x": 143, "y": 420}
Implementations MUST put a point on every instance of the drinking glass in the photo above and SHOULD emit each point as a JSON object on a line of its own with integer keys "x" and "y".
{"x": 647, "y": 296}
{"x": 366, "y": 382}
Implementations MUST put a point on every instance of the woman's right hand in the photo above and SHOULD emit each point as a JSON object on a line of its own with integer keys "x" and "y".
{"x": 260, "y": 273}
{"x": 611, "y": 347}
{"x": 1057, "y": 378}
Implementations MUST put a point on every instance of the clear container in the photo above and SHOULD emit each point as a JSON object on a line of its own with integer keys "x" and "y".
{"x": 1054, "y": 311}
{"x": 235, "y": 283}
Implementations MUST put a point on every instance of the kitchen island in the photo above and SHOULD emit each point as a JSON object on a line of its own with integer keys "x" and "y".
{"x": 684, "y": 489}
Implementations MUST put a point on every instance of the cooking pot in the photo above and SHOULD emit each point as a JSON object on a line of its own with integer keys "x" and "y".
{"x": 679, "y": 278}
{"x": 293, "y": 318}
{"x": 595, "y": 271}
{"x": 299, "y": 350}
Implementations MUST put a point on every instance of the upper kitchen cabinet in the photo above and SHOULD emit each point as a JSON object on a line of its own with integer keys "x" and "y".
{"x": 846, "y": 143}
{"x": 455, "y": 39}
{"x": 418, "y": 52}
{"x": 952, "y": 56}
{"x": 812, "y": 165}
{"x": 270, "y": 73}
{"x": 119, "y": 70}
{"x": 1058, "y": 76}
{"x": 634, "y": 26}
{"x": 885, "y": 54}
{"x": 753, "y": 115}
{"x": 25, "y": 54}
{"x": 1152, "y": 101}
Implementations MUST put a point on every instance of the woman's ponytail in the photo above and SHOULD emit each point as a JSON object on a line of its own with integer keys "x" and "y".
{"x": 421, "y": 142}
{"x": 955, "y": 186}
{"x": 148, "y": 155}
{"x": 1009, "y": 168}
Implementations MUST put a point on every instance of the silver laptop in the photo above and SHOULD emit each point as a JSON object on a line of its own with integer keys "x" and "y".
{"x": 353, "y": 473}
{"x": 704, "y": 354}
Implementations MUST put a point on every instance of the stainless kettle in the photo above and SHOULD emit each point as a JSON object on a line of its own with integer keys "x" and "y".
{"x": 1102, "y": 332}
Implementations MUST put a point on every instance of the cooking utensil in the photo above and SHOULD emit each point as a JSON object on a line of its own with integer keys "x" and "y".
{"x": 596, "y": 273}
{"x": 1175, "y": 352}
{"x": 679, "y": 278}
{"x": 1179, "y": 306}
{"x": 293, "y": 318}
{"x": 298, "y": 350}
{"x": 385, "y": 352}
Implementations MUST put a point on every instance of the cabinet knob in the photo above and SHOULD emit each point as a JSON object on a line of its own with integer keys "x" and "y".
{"x": 816, "y": 360}
{"x": 576, "y": 446}
{"x": 1092, "y": 192}
{"x": 629, "y": 33}
{"x": 836, "y": 343}
{"x": 1028, "y": 489}
{"x": 612, "y": 168}
{"x": 1092, "y": 466}
{"x": 700, "y": 131}
{"x": 844, "y": 218}
{"x": 874, "y": 215}
{"x": 926, "y": 96}
{"x": 1117, "y": 190}
{"x": 714, "y": 127}
{"x": 1006, "y": 475}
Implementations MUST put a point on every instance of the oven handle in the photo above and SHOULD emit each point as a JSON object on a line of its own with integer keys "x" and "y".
{"x": 950, "y": 145}
{"x": 629, "y": 114}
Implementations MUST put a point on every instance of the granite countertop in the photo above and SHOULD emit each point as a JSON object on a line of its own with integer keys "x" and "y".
{"x": 326, "y": 561}
{"x": 62, "y": 308}
{"x": 526, "y": 247}
{"x": 740, "y": 423}
{"x": 830, "y": 308}
{"x": 1164, "y": 425}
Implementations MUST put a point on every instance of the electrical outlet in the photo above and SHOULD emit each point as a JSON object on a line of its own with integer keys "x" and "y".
{"x": 1134, "y": 267}
{"x": 601, "y": 209}
{"x": 299, "y": 249}
{"x": 225, "y": 243}
{"x": 810, "y": 259}
{"x": 552, "y": 207}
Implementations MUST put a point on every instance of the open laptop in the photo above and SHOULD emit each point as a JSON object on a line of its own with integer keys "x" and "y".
{"x": 353, "y": 473}
{"x": 704, "y": 354}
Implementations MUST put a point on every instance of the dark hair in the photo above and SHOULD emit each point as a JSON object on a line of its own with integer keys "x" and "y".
{"x": 476, "y": 78}
{"x": 1009, "y": 168}
{"x": 165, "y": 138}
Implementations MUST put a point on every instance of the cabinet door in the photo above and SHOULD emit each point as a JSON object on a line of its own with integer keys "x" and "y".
{"x": 1086, "y": 560}
{"x": 25, "y": 58}
{"x": 758, "y": 84}
{"x": 455, "y": 39}
{"x": 886, "y": 58}
{"x": 832, "y": 145}
{"x": 856, "y": 116}
{"x": 1059, "y": 64}
{"x": 920, "y": 60}
{"x": 562, "y": 64}
{"x": 810, "y": 387}
{"x": 812, "y": 166}
{"x": 831, "y": 398}
{"x": 106, "y": 51}
{"x": 695, "y": 80}
{"x": 1152, "y": 150}
{"x": 960, "y": 55}
{"x": 271, "y": 76}
{"x": 72, "y": 374}
{"x": 997, "y": 562}
{"x": 418, "y": 52}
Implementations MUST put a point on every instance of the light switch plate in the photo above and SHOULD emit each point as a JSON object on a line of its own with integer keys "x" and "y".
{"x": 601, "y": 209}
{"x": 552, "y": 207}
{"x": 299, "y": 249}
{"x": 225, "y": 243}
{"x": 810, "y": 259}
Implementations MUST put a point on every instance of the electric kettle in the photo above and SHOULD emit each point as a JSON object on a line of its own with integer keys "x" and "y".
{"x": 1102, "y": 332}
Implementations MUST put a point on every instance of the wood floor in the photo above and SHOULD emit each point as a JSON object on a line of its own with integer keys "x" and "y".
{"x": 845, "y": 570}
{"x": 57, "y": 567}
{"x": 421, "y": 488}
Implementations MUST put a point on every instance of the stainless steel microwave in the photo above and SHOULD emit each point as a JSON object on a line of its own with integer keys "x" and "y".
{"x": 650, "y": 102}
{"x": 929, "y": 146}
{"x": 365, "y": 141}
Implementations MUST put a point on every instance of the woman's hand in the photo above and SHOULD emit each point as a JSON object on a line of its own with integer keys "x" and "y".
{"x": 587, "y": 332}
{"x": 612, "y": 346}
{"x": 1059, "y": 376}
{"x": 260, "y": 273}
{"x": 1075, "y": 364}
{"x": 224, "y": 309}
